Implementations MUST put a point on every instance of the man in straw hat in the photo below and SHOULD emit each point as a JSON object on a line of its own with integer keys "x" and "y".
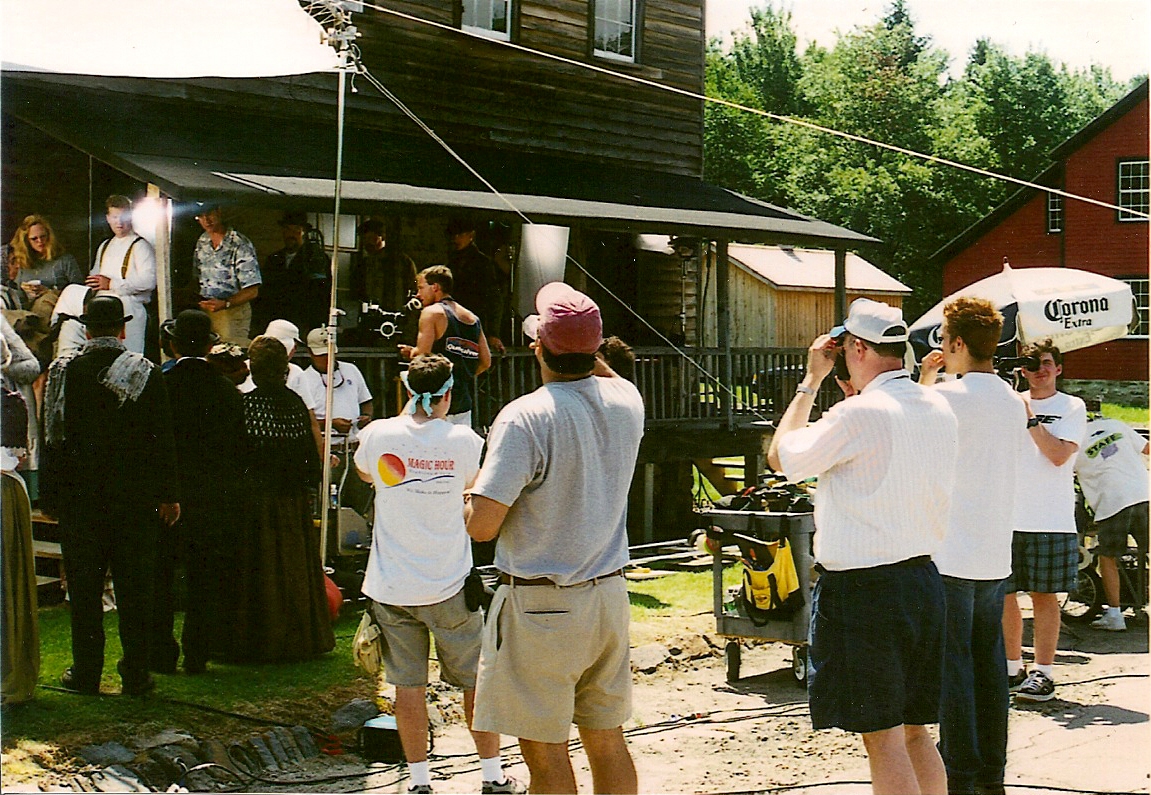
{"x": 109, "y": 474}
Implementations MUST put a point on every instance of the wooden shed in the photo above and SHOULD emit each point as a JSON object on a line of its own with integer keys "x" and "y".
{"x": 780, "y": 296}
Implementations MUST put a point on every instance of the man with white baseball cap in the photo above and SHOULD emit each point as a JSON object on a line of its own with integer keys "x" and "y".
{"x": 351, "y": 398}
{"x": 553, "y": 488}
{"x": 289, "y": 335}
{"x": 886, "y": 464}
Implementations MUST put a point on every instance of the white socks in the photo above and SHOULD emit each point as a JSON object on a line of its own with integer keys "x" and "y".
{"x": 493, "y": 769}
{"x": 1014, "y": 667}
{"x": 419, "y": 773}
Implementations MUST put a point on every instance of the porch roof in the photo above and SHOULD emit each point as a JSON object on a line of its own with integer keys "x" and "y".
{"x": 196, "y": 151}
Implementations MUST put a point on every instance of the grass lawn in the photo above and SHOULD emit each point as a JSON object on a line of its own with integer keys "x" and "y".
{"x": 1132, "y": 415}
{"x": 304, "y": 693}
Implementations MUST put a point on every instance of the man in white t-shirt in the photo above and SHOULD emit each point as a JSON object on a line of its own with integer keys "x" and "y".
{"x": 885, "y": 459}
{"x": 1045, "y": 546}
{"x": 351, "y": 398}
{"x": 420, "y": 466}
{"x": 1113, "y": 476}
{"x": 126, "y": 265}
{"x": 975, "y": 556}
{"x": 554, "y": 490}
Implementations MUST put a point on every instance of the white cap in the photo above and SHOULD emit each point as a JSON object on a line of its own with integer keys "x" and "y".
{"x": 874, "y": 322}
{"x": 285, "y": 331}
{"x": 318, "y": 341}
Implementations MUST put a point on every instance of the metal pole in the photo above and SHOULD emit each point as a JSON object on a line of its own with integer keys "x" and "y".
{"x": 333, "y": 310}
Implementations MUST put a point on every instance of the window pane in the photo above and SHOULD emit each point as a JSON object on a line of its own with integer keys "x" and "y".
{"x": 615, "y": 28}
{"x": 487, "y": 15}
{"x": 1134, "y": 189}
{"x": 1054, "y": 213}
{"x": 1139, "y": 289}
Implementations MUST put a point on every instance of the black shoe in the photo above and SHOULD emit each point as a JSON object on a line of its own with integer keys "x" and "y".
{"x": 1016, "y": 682}
{"x": 194, "y": 667}
{"x": 164, "y": 669}
{"x": 1038, "y": 687}
{"x": 69, "y": 681}
{"x": 139, "y": 684}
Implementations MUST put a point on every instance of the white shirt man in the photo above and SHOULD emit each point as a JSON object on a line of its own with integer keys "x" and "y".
{"x": 886, "y": 464}
{"x": 351, "y": 398}
{"x": 126, "y": 265}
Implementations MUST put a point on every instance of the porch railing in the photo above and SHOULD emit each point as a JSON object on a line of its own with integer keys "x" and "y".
{"x": 676, "y": 390}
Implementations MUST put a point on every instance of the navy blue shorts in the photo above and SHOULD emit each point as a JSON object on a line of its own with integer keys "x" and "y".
{"x": 876, "y": 650}
{"x": 1043, "y": 562}
{"x": 1113, "y": 531}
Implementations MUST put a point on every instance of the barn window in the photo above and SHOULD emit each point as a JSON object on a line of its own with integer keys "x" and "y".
{"x": 1054, "y": 213}
{"x": 491, "y": 18}
{"x": 1134, "y": 189}
{"x": 1139, "y": 288}
{"x": 615, "y": 29}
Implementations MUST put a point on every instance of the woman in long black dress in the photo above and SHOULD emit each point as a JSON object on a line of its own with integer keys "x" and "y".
{"x": 281, "y": 609}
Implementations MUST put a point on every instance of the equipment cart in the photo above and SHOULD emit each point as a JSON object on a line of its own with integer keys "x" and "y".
{"x": 756, "y": 530}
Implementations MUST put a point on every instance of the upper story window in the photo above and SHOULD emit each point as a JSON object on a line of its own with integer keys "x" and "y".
{"x": 1054, "y": 213}
{"x": 1134, "y": 189}
{"x": 1141, "y": 324}
{"x": 491, "y": 18}
{"x": 614, "y": 29}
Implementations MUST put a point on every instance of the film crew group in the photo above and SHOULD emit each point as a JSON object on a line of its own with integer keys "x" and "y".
{"x": 553, "y": 489}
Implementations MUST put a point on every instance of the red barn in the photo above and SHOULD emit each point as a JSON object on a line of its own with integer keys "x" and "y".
{"x": 1106, "y": 160}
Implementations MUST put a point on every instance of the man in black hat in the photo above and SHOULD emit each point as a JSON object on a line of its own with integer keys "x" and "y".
{"x": 478, "y": 284}
{"x": 109, "y": 474}
{"x": 296, "y": 278}
{"x": 208, "y": 426}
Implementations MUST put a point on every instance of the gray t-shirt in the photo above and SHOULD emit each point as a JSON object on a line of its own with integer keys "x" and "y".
{"x": 563, "y": 457}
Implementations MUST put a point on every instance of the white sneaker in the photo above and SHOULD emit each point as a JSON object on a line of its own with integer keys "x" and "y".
{"x": 1112, "y": 622}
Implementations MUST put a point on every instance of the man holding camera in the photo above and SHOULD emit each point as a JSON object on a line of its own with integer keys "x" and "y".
{"x": 975, "y": 557}
{"x": 885, "y": 458}
{"x": 1045, "y": 547}
{"x": 421, "y": 557}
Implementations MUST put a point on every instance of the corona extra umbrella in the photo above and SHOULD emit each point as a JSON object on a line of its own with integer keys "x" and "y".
{"x": 1075, "y": 308}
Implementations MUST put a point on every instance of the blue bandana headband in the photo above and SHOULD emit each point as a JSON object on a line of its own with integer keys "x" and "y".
{"x": 424, "y": 399}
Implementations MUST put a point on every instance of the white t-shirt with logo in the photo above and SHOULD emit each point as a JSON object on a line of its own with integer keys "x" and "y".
{"x": 349, "y": 390}
{"x": 1045, "y": 493}
{"x": 1110, "y": 467}
{"x": 421, "y": 552}
{"x": 992, "y": 434}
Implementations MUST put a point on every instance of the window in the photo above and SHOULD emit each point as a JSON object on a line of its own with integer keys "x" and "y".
{"x": 614, "y": 29}
{"x": 491, "y": 18}
{"x": 1134, "y": 189}
{"x": 1054, "y": 213}
{"x": 1139, "y": 289}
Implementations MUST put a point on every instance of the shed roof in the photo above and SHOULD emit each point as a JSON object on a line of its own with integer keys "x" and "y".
{"x": 195, "y": 150}
{"x": 787, "y": 268}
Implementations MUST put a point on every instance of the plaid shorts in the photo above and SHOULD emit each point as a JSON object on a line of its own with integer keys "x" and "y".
{"x": 1044, "y": 562}
{"x": 1113, "y": 531}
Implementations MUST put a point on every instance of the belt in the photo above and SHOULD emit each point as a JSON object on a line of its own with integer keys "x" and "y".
{"x": 919, "y": 560}
{"x": 510, "y": 579}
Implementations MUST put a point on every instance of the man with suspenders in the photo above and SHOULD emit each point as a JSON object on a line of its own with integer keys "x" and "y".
{"x": 126, "y": 266}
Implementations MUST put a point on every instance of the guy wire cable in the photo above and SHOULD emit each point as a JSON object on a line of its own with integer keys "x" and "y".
{"x": 713, "y": 380}
{"x": 765, "y": 113}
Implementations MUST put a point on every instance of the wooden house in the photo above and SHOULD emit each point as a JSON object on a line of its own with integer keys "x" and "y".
{"x": 1106, "y": 160}
{"x": 539, "y": 97}
{"x": 784, "y": 297}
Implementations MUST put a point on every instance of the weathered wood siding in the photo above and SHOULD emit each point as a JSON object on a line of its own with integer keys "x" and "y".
{"x": 762, "y": 316}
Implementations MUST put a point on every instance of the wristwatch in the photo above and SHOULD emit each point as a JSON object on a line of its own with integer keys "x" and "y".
{"x": 1032, "y": 422}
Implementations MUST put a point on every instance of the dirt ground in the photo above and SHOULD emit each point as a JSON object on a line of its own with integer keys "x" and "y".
{"x": 692, "y": 731}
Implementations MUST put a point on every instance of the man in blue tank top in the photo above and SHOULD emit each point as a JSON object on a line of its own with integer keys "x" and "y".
{"x": 453, "y": 330}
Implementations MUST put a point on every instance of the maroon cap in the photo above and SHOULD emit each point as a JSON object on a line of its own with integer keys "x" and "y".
{"x": 568, "y": 321}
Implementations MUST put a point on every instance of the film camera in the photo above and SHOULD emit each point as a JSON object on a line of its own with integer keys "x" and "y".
{"x": 1006, "y": 365}
{"x": 374, "y": 318}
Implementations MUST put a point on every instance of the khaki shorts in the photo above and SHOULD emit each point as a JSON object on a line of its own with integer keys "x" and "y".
{"x": 406, "y": 632}
{"x": 232, "y": 324}
{"x": 552, "y": 657}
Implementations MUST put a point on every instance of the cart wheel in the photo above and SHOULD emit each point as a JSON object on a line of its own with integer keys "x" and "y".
{"x": 731, "y": 656}
{"x": 799, "y": 665}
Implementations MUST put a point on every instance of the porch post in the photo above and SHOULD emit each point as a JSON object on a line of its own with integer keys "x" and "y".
{"x": 840, "y": 284}
{"x": 722, "y": 328}
{"x": 648, "y": 502}
{"x": 163, "y": 255}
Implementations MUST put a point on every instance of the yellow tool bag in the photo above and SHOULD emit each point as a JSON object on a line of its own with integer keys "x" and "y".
{"x": 771, "y": 593}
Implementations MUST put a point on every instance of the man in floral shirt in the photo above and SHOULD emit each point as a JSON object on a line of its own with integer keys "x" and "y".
{"x": 229, "y": 276}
